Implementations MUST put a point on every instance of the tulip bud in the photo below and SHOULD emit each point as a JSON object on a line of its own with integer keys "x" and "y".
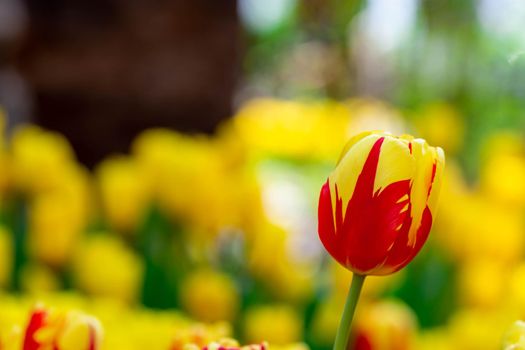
{"x": 377, "y": 207}
{"x": 62, "y": 331}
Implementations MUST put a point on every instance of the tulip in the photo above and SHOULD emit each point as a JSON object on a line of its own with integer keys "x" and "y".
{"x": 48, "y": 329}
{"x": 377, "y": 207}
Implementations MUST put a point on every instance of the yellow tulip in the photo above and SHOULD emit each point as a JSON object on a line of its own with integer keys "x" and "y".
{"x": 39, "y": 158}
{"x": 124, "y": 192}
{"x": 62, "y": 331}
{"x": 58, "y": 218}
{"x": 277, "y": 324}
{"x": 210, "y": 296}
{"x": 105, "y": 266}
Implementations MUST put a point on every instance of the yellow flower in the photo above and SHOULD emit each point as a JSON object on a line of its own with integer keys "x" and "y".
{"x": 277, "y": 324}
{"x": 188, "y": 178}
{"x": 210, "y": 296}
{"x": 58, "y": 218}
{"x": 473, "y": 329}
{"x": 124, "y": 192}
{"x": 315, "y": 130}
{"x": 499, "y": 236}
{"x": 385, "y": 325}
{"x": 515, "y": 337}
{"x": 515, "y": 299}
{"x": 284, "y": 277}
{"x": 482, "y": 283}
{"x": 39, "y": 158}
{"x": 73, "y": 330}
{"x": 37, "y": 279}
{"x": 441, "y": 124}
{"x": 105, "y": 266}
{"x": 502, "y": 178}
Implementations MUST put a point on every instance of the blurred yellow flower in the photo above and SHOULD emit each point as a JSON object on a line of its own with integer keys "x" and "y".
{"x": 39, "y": 158}
{"x": 277, "y": 324}
{"x": 385, "y": 325}
{"x": 124, "y": 192}
{"x": 293, "y": 129}
{"x": 71, "y": 330}
{"x": 284, "y": 277}
{"x": 441, "y": 124}
{"x": 515, "y": 299}
{"x": 58, "y": 218}
{"x": 502, "y": 177}
{"x": 37, "y": 279}
{"x": 188, "y": 178}
{"x": 210, "y": 296}
{"x": 105, "y": 266}
{"x": 473, "y": 329}
{"x": 498, "y": 235}
{"x": 482, "y": 283}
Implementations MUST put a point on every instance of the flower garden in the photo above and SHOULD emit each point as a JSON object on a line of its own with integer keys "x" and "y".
{"x": 201, "y": 242}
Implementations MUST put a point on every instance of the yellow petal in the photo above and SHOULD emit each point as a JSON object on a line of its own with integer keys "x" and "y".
{"x": 347, "y": 171}
{"x": 425, "y": 157}
{"x": 439, "y": 158}
{"x": 395, "y": 163}
{"x": 353, "y": 140}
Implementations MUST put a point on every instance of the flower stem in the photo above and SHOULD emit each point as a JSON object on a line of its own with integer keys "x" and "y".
{"x": 343, "y": 332}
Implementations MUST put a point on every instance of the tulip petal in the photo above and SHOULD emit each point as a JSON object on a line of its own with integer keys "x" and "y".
{"x": 36, "y": 322}
{"x": 346, "y": 173}
{"x": 362, "y": 237}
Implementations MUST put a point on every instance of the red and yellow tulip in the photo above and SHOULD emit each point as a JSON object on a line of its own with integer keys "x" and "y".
{"x": 73, "y": 330}
{"x": 377, "y": 207}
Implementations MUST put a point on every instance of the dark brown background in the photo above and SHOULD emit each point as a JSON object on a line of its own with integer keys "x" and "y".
{"x": 102, "y": 70}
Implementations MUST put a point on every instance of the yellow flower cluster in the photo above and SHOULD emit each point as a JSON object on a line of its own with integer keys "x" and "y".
{"x": 109, "y": 325}
{"x": 243, "y": 190}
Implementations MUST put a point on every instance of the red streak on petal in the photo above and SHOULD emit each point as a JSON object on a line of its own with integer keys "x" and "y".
{"x": 432, "y": 178}
{"x": 92, "y": 338}
{"x": 402, "y": 253}
{"x": 362, "y": 343}
{"x": 361, "y": 240}
{"x": 36, "y": 322}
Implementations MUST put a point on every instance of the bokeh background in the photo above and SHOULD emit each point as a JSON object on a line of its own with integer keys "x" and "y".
{"x": 160, "y": 164}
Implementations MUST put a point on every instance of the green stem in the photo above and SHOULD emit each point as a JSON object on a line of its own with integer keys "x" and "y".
{"x": 343, "y": 332}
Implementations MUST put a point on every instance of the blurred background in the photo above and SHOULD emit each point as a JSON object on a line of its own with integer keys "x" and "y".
{"x": 168, "y": 155}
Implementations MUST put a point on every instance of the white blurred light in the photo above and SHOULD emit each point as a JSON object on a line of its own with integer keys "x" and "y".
{"x": 262, "y": 16}
{"x": 387, "y": 23}
{"x": 504, "y": 18}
